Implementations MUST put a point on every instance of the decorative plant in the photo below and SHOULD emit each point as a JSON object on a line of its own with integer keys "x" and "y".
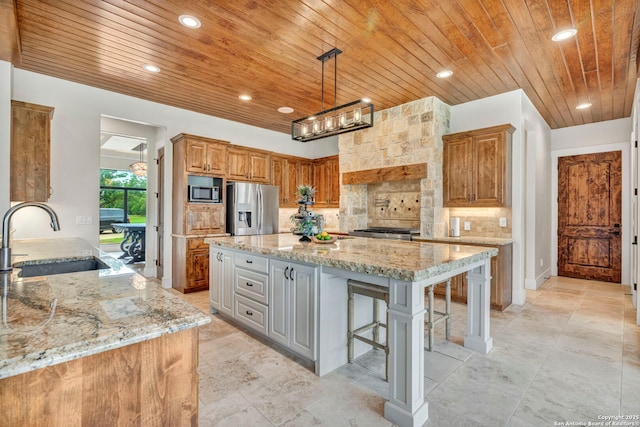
{"x": 306, "y": 192}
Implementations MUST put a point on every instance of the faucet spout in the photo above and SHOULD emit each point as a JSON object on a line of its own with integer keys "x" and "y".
{"x": 5, "y": 250}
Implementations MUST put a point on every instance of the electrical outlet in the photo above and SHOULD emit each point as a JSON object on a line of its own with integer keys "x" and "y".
{"x": 503, "y": 222}
{"x": 467, "y": 226}
{"x": 84, "y": 220}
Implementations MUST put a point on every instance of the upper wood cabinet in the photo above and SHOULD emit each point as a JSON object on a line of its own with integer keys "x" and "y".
{"x": 287, "y": 173}
{"x": 30, "y": 157}
{"x": 248, "y": 165}
{"x": 206, "y": 156}
{"x": 476, "y": 167}
{"x": 326, "y": 179}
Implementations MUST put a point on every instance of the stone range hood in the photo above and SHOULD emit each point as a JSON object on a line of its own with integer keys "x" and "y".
{"x": 391, "y": 174}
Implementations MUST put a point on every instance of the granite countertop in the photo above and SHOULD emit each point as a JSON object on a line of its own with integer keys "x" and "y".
{"x": 54, "y": 319}
{"x": 403, "y": 260}
{"x": 494, "y": 241}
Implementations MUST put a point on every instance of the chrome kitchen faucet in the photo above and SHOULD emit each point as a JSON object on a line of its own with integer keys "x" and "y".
{"x": 5, "y": 251}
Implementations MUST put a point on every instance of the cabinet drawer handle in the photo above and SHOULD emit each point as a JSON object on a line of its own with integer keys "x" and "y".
{"x": 249, "y": 261}
{"x": 249, "y": 284}
{"x": 249, "y": 313}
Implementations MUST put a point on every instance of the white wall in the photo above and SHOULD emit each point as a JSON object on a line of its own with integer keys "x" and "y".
{"x": 75, "y": 148}
{"x": 537, "y": 210}
{"x": 613, "y": 135}
{"x": 493, "y": 111}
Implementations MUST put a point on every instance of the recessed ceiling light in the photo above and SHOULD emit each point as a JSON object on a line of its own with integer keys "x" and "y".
{"x": 151, "y": 68}
{"x": 285, "y": 110}
{"x": 583, "y": 106}
{"x": 189, "y": 21}
{"x": 366, "y": 100}
{"x": 444, "y": 74}
{"x": 564, "y": 34}
{"x": 245, "y": 97}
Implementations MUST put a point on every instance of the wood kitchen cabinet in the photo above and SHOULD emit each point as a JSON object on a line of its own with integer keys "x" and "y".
{"x": 190, "y": 264}
{"x": 476, "y": 167}
{"x": 326, "y": 179}
{"x": 288, "y": 172}
{"x": 501, "y": 279}
{"x": 248, "y": 165}
{"x": 30, "y": 156}
{"x": 205, "y": 155}
{"x": 197, "y": 158}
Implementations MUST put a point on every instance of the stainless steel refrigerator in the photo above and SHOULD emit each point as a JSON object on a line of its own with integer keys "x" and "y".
{"x": 252, "y": 208}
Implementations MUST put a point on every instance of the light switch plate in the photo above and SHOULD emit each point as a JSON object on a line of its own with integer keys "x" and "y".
{"x": 467, "y": 226}
{"x": 503, "y": 222}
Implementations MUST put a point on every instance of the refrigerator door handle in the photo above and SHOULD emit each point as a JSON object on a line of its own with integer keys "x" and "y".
{"x": 259, "y": 210}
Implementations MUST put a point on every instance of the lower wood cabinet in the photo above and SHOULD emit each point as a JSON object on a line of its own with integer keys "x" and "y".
{"x": 190, "y": 264}
{"x": 501, "y": 279}
{"x": 150, "y": 383}
{"x": 292, "y": 299}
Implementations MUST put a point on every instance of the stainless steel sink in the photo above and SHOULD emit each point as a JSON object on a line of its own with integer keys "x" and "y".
{"x": 59, "y": 267}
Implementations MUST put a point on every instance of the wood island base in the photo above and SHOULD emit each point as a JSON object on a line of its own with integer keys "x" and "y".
{"x": 151, "y": 383}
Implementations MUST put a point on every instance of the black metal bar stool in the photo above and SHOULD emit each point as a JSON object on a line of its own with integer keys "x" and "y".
{"x": 377, "y": 293}
{"x": 432, "y": 321}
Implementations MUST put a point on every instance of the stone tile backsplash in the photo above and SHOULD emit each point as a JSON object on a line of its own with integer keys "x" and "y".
{"x": 485, "y": 222}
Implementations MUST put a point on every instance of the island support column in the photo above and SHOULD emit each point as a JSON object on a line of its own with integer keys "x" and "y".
{"x": 406, "y": 405}
{"x": 478, "y": 309}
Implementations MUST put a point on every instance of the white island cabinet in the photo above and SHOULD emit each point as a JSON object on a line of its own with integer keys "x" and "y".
{"x": 292, "y": 306}
{"x": 221, "y": 280}
{"x": 307, "y": 304}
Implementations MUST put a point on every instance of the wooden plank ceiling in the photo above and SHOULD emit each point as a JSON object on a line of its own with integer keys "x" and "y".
{"x": 392, "y": 52}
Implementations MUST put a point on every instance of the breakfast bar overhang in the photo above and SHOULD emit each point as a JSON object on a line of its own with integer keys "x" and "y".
{"x": 407, "y": 268}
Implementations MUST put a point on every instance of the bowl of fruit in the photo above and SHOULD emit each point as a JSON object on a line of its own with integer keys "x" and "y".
{"x": 323, "y": 237}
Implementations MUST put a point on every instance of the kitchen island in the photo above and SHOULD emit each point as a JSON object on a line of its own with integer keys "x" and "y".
{"x": 316, "y": 282}
{"x": 102, "y": 347}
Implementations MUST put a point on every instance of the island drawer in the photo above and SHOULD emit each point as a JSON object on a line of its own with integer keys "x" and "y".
{"x": 252, "y": 262}
{"x": 252, "y": 314}
{"x": 252, "y": 285}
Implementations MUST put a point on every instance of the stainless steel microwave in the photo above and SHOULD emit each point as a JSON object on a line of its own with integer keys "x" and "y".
{"x": 200, "y": 194}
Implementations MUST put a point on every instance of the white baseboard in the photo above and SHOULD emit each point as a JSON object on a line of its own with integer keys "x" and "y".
{"x": 534, "y": 284}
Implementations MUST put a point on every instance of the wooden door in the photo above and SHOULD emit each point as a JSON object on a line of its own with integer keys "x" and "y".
{"x": 589, "y": 216}
{"x": 160, "y": 207}
{"x": 457, "y": 173}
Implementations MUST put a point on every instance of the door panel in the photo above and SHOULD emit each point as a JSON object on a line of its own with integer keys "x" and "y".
{"x": 589, "y": 216}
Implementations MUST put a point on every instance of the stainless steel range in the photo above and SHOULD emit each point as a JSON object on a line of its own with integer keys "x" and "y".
{"x": 386, "y": 233}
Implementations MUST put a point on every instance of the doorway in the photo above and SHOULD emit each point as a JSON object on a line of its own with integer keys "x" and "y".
{"x": 590, "y": 216}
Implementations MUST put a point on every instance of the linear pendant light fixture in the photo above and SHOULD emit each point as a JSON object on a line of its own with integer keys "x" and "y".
{"x": 345, "y": 118}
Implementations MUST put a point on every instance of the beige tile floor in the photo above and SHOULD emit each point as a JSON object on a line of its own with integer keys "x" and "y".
{"x": 571, "y": 353}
